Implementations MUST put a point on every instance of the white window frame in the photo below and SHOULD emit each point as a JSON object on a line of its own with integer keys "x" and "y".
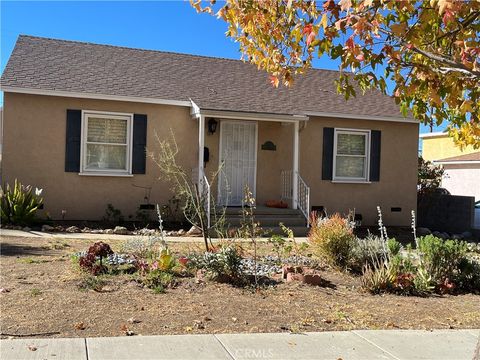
{"x": 367, "y": 134}
{"x": 83, "y": 153}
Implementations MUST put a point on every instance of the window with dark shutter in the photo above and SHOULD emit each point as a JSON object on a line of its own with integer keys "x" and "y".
{"x": 327, "y": 154}
{"x": 73, "y": 140}
{"x": 375, "y": 147}
{"x": 139, "y": 144}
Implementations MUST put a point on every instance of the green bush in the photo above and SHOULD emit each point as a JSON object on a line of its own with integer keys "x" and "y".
{"x": 440, "y": 258}
{"x": 224, "y": 262}
{"x": 158, "y": 280}
{"x": 367, "y": 251}
{"x": 393, "y": 246}
{"x": 333, "y": 240}
{"x": 19, "y": 203}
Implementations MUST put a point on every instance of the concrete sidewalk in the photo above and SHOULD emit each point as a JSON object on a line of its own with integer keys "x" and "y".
{"x": 363, "y": 344}
{"x": 107, "y": 237}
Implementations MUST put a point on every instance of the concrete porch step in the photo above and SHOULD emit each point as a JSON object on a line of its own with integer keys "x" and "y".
{"x": 298, "y": 231}
{"x": 261, "y": 211}
{"x": 268, "y": 220}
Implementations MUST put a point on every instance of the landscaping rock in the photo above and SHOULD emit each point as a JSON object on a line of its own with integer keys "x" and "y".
{"x": 27, "y": 229}
{"x": 47, "y": 228}
{"x": 313, "y": 279}
{"x": 439, "y": 235}
{"x": 457, "y": 236}
{"x": 147, "y": 231}
{"x": 467, "y": 234}
{"x": 194, "y": 231}
{"x": 72, "y": 229}
{"x": 108, "y": 231}
{"x": 86, "y": 230}
{"x": 120, "y": 230}
{"x": 422, "y": 231}
{"x": 181, "y": 232}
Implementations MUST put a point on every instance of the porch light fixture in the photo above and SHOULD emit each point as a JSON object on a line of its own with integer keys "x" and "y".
{"x": 212, "y": 126}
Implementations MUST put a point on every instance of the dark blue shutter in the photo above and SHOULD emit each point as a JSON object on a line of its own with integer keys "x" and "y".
{"x": 139, "y": 144}
{"x": 375, "y": 147}
{"x": 73, "y": 138}
{"x": 327, "y": 155}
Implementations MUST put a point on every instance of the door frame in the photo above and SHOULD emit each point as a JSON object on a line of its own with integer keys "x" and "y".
{"x": 220, "y": 145}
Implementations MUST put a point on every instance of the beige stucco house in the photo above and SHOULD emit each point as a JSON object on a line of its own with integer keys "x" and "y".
{"x": 79, "y": 116}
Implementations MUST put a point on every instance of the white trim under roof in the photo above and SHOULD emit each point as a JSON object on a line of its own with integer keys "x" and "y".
{"x": 240, "y": 115}
{"x": 362, "y": 117}
{"x": 457, "y": 162}
{"x": 433, "y": 135}
{"x": 95, "y": 96}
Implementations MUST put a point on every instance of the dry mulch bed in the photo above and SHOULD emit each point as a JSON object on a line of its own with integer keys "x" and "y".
{"x": 44, "y": 297}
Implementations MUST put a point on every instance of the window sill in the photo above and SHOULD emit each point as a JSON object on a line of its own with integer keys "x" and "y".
{"x": 105, "y": 174}
{"x": 350, "y": 182}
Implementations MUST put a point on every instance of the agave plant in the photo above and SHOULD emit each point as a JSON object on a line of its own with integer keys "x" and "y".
{"x": 19, "y": 203}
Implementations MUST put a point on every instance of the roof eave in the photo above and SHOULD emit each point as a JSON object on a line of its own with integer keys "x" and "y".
{"x": 83, "y": 95}
{"x": 361, "y": 117}
{"x": 243, "y": 115}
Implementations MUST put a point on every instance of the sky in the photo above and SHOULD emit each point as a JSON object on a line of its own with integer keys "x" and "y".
{"x": 156, "y": 25}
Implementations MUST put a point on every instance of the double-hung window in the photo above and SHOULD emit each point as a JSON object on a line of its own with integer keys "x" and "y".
{"x": 351, "y": 155}
{"x": 106, "y": 143}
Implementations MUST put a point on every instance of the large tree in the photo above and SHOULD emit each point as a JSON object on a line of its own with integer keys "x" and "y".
{"x": 429, "y": 50}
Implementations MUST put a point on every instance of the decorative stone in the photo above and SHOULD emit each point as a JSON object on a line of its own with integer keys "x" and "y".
{"x": 181, "y": 232}
{"x": 120, "y": 230}
{"x": 467, "y": 234}
{"x": 313, "y": 279}
{"x": 86, "y": 230}
{"x": 422, "y": 231}
{"x": 295, "y": 277}
{"x": 457, "y": 236}
{"x": 47, "y": 228}
{"x": 72, "y": 229}
{"x": 108, "y": 231}
{"x": 194, "y": 231}
{"x": 27, "y": 229}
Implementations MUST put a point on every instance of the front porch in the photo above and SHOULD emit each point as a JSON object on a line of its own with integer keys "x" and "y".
{"x": 258, "y": 151}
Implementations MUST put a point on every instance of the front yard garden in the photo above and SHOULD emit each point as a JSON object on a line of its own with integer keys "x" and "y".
{"x": 45, "y": 291}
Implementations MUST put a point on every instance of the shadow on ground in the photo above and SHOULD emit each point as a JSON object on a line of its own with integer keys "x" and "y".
{"x": 8, "y": 249}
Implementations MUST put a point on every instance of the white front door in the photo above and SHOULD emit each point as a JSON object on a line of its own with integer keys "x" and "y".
{"x": 238, "y": 161}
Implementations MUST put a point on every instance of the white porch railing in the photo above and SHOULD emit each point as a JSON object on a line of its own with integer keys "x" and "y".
{"x": 303, "y": 192}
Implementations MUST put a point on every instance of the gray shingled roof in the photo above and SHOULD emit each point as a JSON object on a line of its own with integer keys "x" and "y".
{"x": 475, "y": 156}
{"x": 213, "y": 83}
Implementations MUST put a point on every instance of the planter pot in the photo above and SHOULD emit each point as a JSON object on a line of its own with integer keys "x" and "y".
{"x": 295, "y": 277}
{"x": 313, "y": 279}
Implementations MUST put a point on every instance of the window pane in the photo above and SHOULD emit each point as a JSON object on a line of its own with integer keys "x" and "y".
{"x": 107, "y": 130}
{"x": 106, "y": 157}
{"x": 350, "y": 167}
{"x": 351, "y": 144}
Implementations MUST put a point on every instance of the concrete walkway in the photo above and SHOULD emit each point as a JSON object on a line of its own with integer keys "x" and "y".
{"x": 107, "y": 237}
{"x": 363, "y": 344}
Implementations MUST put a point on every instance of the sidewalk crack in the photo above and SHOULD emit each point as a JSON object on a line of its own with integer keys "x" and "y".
{"x": 86, "y": 348}
{"x": 223, "y": 346}
{"x": 377, "y": 346}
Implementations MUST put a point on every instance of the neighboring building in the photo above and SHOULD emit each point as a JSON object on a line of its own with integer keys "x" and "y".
{"x": 78, "y": 117}
{"x": 462, "y": 174}
{"x": 462, "y": 166}
{"x": 438, "y": 145}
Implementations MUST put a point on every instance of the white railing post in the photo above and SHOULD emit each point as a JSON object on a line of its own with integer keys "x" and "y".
{"x": 201, "y": 145}
{"x": 295, "y": 165}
